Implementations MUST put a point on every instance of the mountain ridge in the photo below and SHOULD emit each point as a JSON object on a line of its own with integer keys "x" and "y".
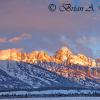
{"x": 21, "y": 75}
{"x": 63, "y": 55}
{"x": 36, "y": 76}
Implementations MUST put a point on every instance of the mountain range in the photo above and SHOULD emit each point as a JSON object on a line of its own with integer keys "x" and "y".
{"x": 38, "y": 71}
{"x": 25, "y": 76}
{"x": 63, "y": 55}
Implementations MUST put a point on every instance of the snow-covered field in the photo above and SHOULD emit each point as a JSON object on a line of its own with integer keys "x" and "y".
{"x": 62, "y": 98}
{"x": 52, "y": 92}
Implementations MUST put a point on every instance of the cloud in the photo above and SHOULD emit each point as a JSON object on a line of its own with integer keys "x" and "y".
{"x": 50, "y": 30}
{"x": 11, "y": 49}
{"x": 20, "y": 37}
{"x": 3, "y": 40}
{"x": 85, "y": 50}
{"x": 91, "y": 40}
{"x": 89, "y": 45}
{"x": 65, "y": 41}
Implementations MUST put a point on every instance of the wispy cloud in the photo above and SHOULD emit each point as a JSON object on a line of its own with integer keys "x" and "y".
{"x": 3, "y": 40}
{"x": 50, "y": 30}
{"x": 11, "y": 49}
{"x": 91, "y": 40}
{"x": 20, "y": 37}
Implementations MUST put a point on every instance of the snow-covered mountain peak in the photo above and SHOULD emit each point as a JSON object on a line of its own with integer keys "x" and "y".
{"x": 63, "y": 55}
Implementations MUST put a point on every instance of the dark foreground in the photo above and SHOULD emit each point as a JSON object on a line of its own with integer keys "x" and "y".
{"x": 50, "y": 93}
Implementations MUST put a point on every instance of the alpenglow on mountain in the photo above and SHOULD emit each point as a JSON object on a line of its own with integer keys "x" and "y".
{"x": 36, "y": 73}
{"x": 63, "y": 55}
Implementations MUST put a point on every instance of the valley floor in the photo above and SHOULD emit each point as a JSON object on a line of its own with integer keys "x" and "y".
{"x": 61, "y": 98}
{"x": 50, "y": 94}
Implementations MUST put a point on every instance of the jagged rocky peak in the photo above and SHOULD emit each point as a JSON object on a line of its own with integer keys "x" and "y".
{"x": 81, "y": 59}
{"x": 63, "y": 54}
{"x": 65, "y": 50}
{"x": 40, "y": 56}
{"x": 98, "y": 62}
{"x": 9, "y": 54}
{"x": 90, "y": 61}
{"x": 43, "y": 56}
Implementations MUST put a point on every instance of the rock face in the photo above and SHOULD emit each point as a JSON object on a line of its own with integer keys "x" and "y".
{"x": 98, "y": 62}
{"x": 39, "y": 56}
{"x": 63, "y": 55}
{"x": 18, "y": 76}
{"x": 81, "y": 59}
{"x": 9, "y": 54}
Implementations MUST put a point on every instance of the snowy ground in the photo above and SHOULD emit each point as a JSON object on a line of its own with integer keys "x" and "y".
{"x": 52, "y": 92}
{"x": 49, "y": 92}
{"x": 65, "y": 98}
